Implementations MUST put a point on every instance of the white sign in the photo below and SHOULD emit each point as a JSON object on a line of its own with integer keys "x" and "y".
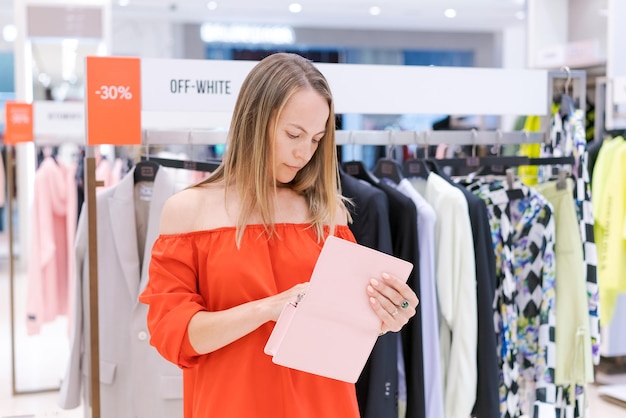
{"x": 213, "y": 86}
{"x": 573, "y": 54}
{"x": 401, "y": 89}
{"x": 59, "y": 120}
{"x": 551, "y": 57}
{"x": 585, "y": 53}
{"x": 65, "y": 21}
{"x": 191, "y": 85}
{"x": 619, "y": 90}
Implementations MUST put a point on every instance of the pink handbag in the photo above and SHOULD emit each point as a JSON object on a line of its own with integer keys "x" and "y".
{"x": 331, "y": 331}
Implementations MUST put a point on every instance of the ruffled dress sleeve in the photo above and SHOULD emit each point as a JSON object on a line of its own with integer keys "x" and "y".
{"x": 173, "y": 298}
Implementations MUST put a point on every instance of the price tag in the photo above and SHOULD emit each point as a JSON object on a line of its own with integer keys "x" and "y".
{"x": 19, "y": 123}
{"x": 113, "y": 105}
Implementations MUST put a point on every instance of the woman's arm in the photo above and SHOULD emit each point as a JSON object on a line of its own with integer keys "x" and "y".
{"x": 210, "y": 331}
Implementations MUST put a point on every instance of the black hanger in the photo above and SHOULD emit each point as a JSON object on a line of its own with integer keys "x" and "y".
{"x": 146, "y": 171}
{"x": 433, "y": 165}
{"x": 204, "y": 166}
{"x": 389, "y": 169}
{"x": 495, "y": 165}
{"x": 551, "y": 161}
{"x": 418, "y": 166}
{"x": 357, "y": 169}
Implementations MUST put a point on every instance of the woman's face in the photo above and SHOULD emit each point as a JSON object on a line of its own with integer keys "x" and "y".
{"x": 299, "y": 129}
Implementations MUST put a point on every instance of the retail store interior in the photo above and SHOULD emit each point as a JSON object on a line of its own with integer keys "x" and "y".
{"x": 565, "y": 58}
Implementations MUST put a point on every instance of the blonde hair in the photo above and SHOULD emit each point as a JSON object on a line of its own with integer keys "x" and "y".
{"x": 249, "y": 156}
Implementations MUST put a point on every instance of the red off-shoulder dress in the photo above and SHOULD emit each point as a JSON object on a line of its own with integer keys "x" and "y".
{"x": 205, "y": 270}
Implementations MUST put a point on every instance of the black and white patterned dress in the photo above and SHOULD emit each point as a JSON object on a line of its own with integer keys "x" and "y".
{"x": 523, "y": 233}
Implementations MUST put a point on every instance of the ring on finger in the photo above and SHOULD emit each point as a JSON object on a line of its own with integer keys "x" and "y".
{"x": 404, "y": 304}
{"x": 395, "y": 312}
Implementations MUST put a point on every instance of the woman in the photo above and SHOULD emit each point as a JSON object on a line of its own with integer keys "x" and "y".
{"x": 237, "y": 247}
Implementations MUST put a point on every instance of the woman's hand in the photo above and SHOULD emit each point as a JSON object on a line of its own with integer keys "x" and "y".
{"x": 278, "y": 302}
{"x": 393, "y": 301}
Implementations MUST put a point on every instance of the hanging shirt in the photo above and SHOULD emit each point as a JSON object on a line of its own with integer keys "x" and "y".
{"x": 487, "y": 393}
{"x": 523, "y": 231}
{"x": 568, "y": 139}
{"x": 53, "y": 232}
{"x": 456, "y": 289}
{"x": 426, "y": 220}
{"x": 528, "y": 174}
{"x": 612, "y": 228}
{"x": 573, "y": 344}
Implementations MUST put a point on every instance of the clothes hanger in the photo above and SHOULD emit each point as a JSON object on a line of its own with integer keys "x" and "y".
{"x": 388, "y": 167}
{"x": 418, "y": 167}
{"x": 567, "y": 106}
{"x": 146, "y": 170}
{"x": 204, "y": 166}
{"x": 357, "y": 169}
{"x": 487, "y": 165}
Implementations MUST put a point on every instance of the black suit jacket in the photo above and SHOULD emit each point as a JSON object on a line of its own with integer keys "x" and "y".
{"x": 377, "y": 386}
{"x": 403, "y": 222}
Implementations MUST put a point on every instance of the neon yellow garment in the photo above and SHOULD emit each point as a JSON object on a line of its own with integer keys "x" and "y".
{"x": 609, "y": 207}
{"x": 528, "y": 174}
{"x": 601, "y": 175}
{"x": 574, "y": 363}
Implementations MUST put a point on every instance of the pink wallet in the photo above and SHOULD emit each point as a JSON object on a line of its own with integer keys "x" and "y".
{"x": 331, "y": 331}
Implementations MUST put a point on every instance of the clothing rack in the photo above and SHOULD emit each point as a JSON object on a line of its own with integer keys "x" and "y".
{"x": 426, "y": 138}
{"x": 206, "y": 166}
{"x": 442, "y": 90}
{"x": 365, "y": 137}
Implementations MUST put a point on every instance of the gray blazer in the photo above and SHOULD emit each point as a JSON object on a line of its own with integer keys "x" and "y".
{"x": 135, "y": 381}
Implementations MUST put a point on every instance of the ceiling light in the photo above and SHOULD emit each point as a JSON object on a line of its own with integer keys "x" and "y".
{"x": 44, "y": 79}
{"x": 375, "y": 10}
{"x": 450, "y": 13}
{"x": 295, "y": 7}
{"x": 123, "y": 3}
{"x": 9, "y": 33}
{"x": 520, "y": 15}
{"x": 247, "y": 34}
{"x": 212, "y": 5}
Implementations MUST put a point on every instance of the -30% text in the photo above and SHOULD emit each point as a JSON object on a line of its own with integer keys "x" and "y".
{"x": 114, "y": 93}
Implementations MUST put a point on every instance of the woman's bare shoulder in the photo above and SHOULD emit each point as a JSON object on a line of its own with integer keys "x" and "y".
{"x": 341, "y": 217}
{"x": 189, "y": 209}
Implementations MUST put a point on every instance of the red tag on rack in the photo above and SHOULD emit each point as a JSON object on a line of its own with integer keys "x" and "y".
{"x": 113, "y": 105}
{"x": 19, "y": 123}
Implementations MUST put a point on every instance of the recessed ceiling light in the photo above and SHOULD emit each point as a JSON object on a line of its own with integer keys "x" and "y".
{"x": 450, "y": 13}
{"x": 375, "y": 10}
{"x": 520, "y": 15}
{"x": 295, "y": 7}
{"x": 212, "y": 5}
{"x": 246, "y": 34}
{"x": 9, "y": 33}
{"x": 123, "y": 3}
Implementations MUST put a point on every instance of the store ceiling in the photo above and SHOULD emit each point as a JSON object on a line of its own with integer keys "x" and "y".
{"x": 484, "y": 15}
{"x": 471, "y": 15}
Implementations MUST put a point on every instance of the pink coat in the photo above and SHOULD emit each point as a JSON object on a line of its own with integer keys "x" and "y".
{"x": 51, "y": 253}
